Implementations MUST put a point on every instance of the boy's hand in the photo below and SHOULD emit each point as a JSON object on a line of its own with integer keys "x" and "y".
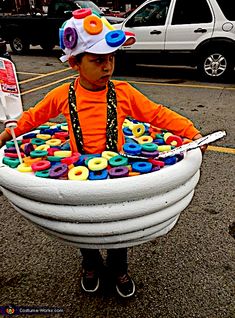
{"x": 4, "y": 136}
{"x": 203, "y": 148}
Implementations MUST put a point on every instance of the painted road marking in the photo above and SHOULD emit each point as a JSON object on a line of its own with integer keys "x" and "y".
{"x": 183, "y": 85}
{"x": 47, "y": 85}
{"x": 222, "y": 149}
{"x": 44, "y": 75}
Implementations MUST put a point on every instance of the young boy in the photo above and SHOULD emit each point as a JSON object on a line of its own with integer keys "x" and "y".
{"x": 95, "y": 109}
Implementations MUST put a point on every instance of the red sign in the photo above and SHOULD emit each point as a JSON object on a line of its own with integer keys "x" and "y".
{"x": 8, "y": 79}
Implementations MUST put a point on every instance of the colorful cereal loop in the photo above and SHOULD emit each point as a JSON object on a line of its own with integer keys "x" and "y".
{"x": 132, "y": 149}
{"x": 58, "y": 171}
{"x": 98, "y": 175}
{"x": 142, "y": 167}
{"x": 29, "y": 161}
{"x": 164, "y": 148}
{"x": 61, "y": 38}
{"x": 63, "y": 153}
{"x": 42, "y": 174}
{"x": 144, "y": 139}
{"x": 53, "y": 142}
{"x": 97, "y": 164}
{"x": 23, "y": 167}
{"x": 64, "y": 127}
{"x": 115, "y": 38}
{"x": 78, "y": 173}
{"x": 81, "y": 13}
{"x": 93, "y": 25}
{"x": 118, "y": 172}
{"x": 108, "y": 154}
{"x": 43, "y": 136}
{"x": 118, "y": 161}
{"x": 149, "y": 147}
{"x": 41, "y": 165}
{"x": 70, "y": 38}
{"x": 107, "y": 24}
{"x": 138, "y": 130}
{"x": 38, "y": 153}
{"x": 42, "y": 147}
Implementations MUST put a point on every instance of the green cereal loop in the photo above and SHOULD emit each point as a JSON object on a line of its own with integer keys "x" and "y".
{"x": 11, "y": 162}
{"x": 149, "y": 147}
{"x": 42, "y": 174}
{"x": 118, "y": 161}
{"x": 54, "y": 158}
{"x": 38, "y": 141}
{"x": 43, "y": 127}
{"x": 38, "y": 153}
{"x": 11, "y": 143}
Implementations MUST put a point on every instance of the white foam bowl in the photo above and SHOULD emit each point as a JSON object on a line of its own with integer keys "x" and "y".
{"x": 110, "y": 213}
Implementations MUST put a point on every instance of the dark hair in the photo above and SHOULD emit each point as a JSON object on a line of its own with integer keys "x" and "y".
{"x": 79, "y": 56}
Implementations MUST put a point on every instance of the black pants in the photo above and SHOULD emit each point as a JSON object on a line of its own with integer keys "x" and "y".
{"x": 116, "y": 260}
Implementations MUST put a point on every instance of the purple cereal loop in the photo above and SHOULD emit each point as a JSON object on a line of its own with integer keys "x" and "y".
{"x": 70, "y": 38}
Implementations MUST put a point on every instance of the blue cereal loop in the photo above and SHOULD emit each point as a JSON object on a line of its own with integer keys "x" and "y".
{"x": 115, "y": 38}
{"x": 61, "y": 38}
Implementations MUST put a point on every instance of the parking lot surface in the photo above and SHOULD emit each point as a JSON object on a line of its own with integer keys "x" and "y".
{"x": 187, "y": 273}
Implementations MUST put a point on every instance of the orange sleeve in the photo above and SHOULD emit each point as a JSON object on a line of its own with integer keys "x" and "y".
{"x": 145, "y": 110}
{"x": 49, "y": 107}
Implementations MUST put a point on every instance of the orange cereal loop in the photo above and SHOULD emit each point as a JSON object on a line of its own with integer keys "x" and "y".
{"x": 29, "y": 161}
{"x": 93, "y": 25}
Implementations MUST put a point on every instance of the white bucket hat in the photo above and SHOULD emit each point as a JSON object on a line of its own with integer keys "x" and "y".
{"x": 87, "y": 32}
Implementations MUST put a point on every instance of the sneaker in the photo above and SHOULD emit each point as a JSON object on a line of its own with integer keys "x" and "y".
{"x": 125, "y": 286}
{"x": 90, "y": 281}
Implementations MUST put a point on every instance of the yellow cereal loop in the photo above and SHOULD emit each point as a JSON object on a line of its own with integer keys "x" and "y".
{"x": 144, "y": 139}
{"x": 63, "y": 153}
{"x": 97, "y": 164}
{"x": 64, "y": 127}
{"x": 23, "y": 167}
{"x": 43, "y": 136}
{"x": 53, "y": 142}
{"x": 78, "y": 173}
{"x": 108, "y": 154}
{"x": 138, "y": 130}
{"x": 42, "y": 147}
{"x": 107, "y": 24}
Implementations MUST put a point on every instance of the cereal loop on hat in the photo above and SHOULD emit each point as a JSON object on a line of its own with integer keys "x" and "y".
{"x": 82, "y": 13}
{"x": 107, "y": 24}
{"x": 93, "y": 25}
{"x": 115, "y": 38}
{"x": 70, "y": 37}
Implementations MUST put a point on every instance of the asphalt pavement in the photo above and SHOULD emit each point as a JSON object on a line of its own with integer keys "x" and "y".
{"x": 190, "y": 272}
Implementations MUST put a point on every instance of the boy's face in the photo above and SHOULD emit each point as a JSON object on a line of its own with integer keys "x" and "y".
{"x": 95, "y": 70}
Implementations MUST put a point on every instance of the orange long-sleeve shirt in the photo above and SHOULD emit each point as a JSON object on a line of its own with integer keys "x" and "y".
{"x": 92, "y": 113}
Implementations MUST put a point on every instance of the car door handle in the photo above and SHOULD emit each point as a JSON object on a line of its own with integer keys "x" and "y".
{"x": 200, "y": 30}
{"x": 155, "y": 32}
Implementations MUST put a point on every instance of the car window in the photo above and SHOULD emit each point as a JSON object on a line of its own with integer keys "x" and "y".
{"x": 154, "y": 13}
{"x": 189, "y": 12}
{"x": 228, "y": 8}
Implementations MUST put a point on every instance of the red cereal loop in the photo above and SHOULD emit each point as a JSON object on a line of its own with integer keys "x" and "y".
{"x": 93, "y": 25}
{"x": 82, "y": 13}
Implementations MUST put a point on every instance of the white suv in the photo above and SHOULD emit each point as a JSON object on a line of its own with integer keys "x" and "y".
{"x": 186, "y": 32}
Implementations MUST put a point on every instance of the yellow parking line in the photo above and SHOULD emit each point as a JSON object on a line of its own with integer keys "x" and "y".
{"x": 47, "y": 85}
{"x": 221, "y": 149}
{"x": 45, "y": 75}
{"x": 29, "y": 73}
{"x": 183, "y": 85}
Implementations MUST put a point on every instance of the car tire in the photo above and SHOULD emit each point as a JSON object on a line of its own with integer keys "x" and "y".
{"x": 215, "y": 65}
{"x": 19, "y": 45}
